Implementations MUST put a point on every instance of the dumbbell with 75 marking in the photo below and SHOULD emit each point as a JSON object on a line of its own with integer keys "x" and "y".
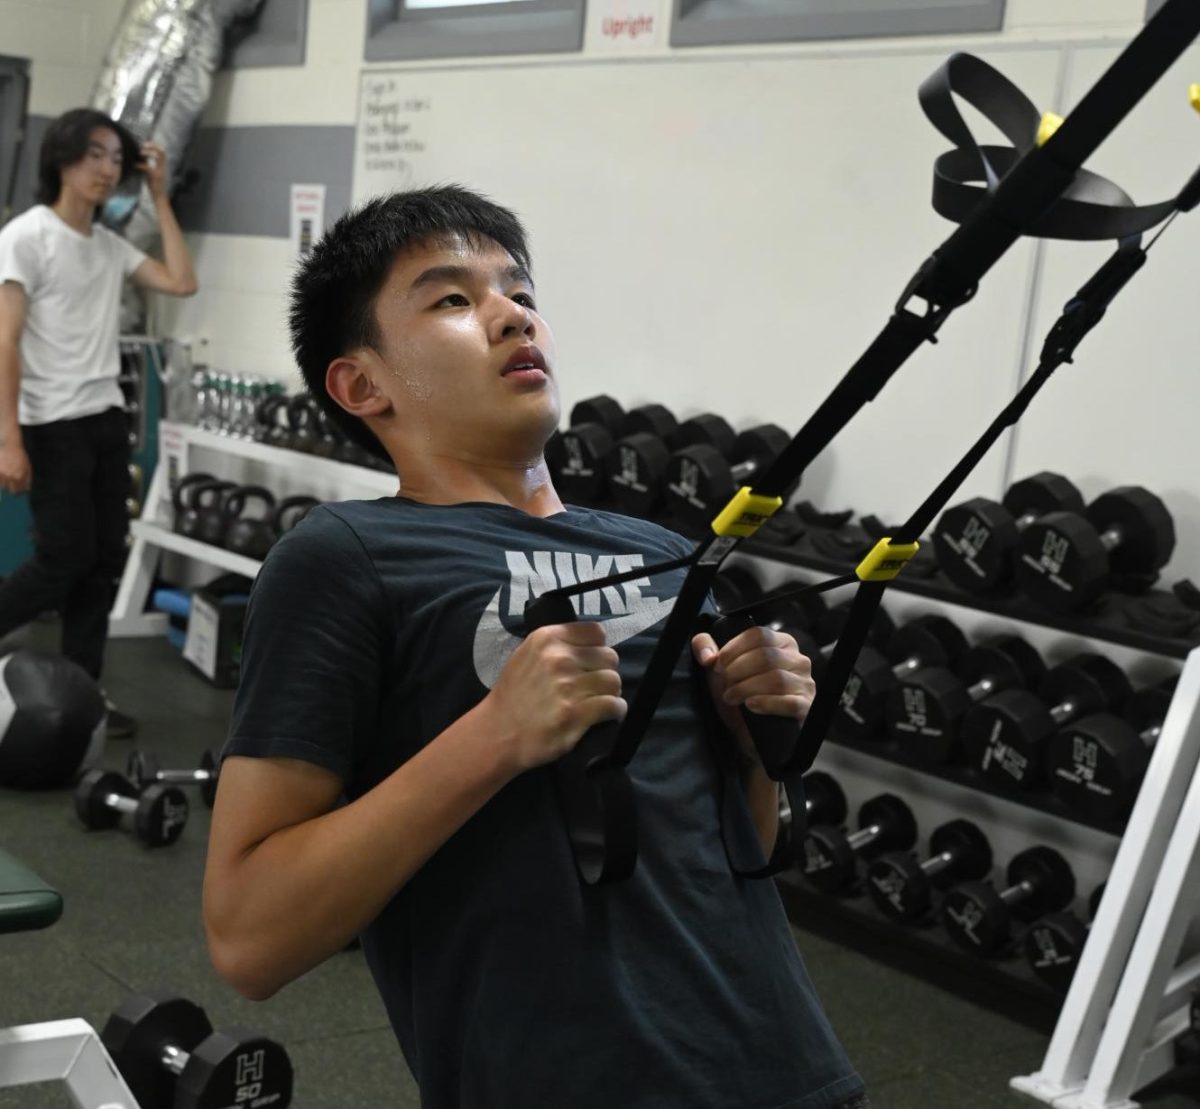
{"x": 1066, "y": 560}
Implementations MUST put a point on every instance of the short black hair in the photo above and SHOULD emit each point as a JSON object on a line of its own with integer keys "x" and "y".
{"x": 334, "y": 289}
{"x": 66, "y": 142}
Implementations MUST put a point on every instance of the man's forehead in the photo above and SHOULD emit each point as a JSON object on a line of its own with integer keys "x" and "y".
{"x": 105, "y": 137}
{"x": 450, "y": 250}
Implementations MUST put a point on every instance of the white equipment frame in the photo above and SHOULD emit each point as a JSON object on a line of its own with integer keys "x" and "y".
{"x": 69, "y": 1051}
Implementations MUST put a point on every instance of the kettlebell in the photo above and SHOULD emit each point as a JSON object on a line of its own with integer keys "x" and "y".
{"x": 181, "y": 501}
{"x": 265, "y": 419}
{"x": 247, "y": 535}
{"x": 290, "y": 511}
{"x": 326, "y": 443}
{"x": 208, "y": 505}
{"x": 302, "y": 419}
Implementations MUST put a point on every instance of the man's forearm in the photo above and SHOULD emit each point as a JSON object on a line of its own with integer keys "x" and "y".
{"x": 176, "y": 256}
{"x": 10, "y": 389}
{"x": 302, "y": 893}
{"x": 762, "y": 798}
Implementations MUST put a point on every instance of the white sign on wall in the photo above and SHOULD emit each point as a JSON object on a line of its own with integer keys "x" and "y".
{"x": 626, "y": 26}
{"x": 308, "y": 217}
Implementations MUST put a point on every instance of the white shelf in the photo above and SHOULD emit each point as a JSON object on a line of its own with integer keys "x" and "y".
{"x": 166, "y": 540}
{"x": 342, "y": 473}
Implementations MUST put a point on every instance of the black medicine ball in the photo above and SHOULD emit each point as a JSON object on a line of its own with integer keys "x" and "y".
{"x": 52, "y": 720}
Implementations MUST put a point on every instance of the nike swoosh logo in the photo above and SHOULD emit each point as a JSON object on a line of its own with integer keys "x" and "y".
{"x": 494, "y": 643}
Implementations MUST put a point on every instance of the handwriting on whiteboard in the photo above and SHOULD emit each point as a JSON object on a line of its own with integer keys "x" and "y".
{"x": 393, "y": 127}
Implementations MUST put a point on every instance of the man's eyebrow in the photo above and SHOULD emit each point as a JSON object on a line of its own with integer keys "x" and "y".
{"x": 437, "y": 275}
{"x": 105, "y": 149}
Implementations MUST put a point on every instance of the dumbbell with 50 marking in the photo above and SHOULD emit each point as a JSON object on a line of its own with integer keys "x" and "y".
{"x": 903, "y": 888}
{"x": 979, "y": 917}
{"x": 1006, "y": 738}
{"x": 159, "y": 813}
{"x": 831, "y": 855}
{"x": 144, "y": 770}
{"x": 170, "y": 1057}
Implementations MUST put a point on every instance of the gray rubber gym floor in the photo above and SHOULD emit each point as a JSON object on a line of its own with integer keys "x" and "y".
{"x": 132, "y": 921}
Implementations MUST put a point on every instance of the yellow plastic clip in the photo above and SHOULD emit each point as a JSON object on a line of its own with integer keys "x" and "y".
{"x": 746, "y": 513}
{"x": 886, "y": 560}
{"x": 1194, "y": 96}
{"x": 1050, "y": 123}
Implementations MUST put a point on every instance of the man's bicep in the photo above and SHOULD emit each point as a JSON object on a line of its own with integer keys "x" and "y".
{"x": 13, "y": 305}
{"x": 257, "y": 797}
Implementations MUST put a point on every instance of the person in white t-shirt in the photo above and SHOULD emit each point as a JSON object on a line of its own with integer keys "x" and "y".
{"x": 63, "y": 431}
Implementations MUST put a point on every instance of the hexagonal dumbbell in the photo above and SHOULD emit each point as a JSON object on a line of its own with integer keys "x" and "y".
{"x": 824, "y": 801}
{"x": 575, "y": 456}
{"x": 1096, "y": 764}
{"x": 638, "y": 464}
{"x": 1054, "y": 943}
{"x": 1065, "y": 560}
{"x": 979, "y": 917}
{"x": 144, "y": 770}
{"x": 1006, "y": 738}
{"x": 925, "y": 710}
{"x": 975, "y": 541}
{"x": 903, "y": 887}
{"x": 925, "y": 641}
{"x": 701, "y": 480}
{"x": 159, "y": 813}
{"x": 831, "y": 854}
{"x": 170, "y": 1057}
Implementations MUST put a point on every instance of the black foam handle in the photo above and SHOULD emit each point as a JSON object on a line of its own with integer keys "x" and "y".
{"x": 774, "y": 736}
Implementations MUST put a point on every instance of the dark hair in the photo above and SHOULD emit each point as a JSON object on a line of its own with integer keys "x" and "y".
{"x": 334, "y": 289}
{"x": 66, "y": 142}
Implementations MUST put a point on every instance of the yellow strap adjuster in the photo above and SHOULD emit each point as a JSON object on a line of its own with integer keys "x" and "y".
{"x": 886, "y": 560}
{"x": 1050, "y": 123}
{"x": 746, "y": 513}
{"x": 1194, "y": 96}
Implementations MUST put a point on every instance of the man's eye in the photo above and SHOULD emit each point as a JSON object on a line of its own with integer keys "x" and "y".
{"x": 457, "y": 299}
{"x": 526, "y": 300}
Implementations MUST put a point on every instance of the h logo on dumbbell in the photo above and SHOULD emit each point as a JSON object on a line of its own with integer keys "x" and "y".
{"x": 914, "y": 708}
{"x": 973, "y": 539}
{"x": 629, "y": 466}
{"x": 1054, "y": 554}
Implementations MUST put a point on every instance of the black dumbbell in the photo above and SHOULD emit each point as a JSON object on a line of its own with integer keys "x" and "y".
{"x": 579, "y": 451}
{"x": 170, "y": 1057}
{"x": 831, "y": 854}
{"x": 979, "y": 917}
{"x": 902, "y": 887}
{"x": 700, "y": 479}
{"x": 144, "y": 770}
{"x": 159, "y": 813}
{"x": 925, "y": 710}
{"x": 925, "y": 641}
{"x": 975, "y": 541}
{"x": 1006, "y": 738}
{"x": 1096, "y": 764}
{"x": 638, "y": 463}
{"x": 824, "y": 801}
{"x": 1054, "y": 943}
{"x": 1066, "y": 560}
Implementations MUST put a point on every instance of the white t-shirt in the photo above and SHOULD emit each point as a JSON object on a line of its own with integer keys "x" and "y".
{"x": 69, "y": 349}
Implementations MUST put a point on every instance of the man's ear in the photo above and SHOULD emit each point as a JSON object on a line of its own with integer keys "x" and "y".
{"x": 351, "y": 383}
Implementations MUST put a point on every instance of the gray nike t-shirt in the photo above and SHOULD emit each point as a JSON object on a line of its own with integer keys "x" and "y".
{"x": 372, "y": 627}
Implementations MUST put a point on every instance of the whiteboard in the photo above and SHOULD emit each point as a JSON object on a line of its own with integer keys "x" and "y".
{"x": 728, "y": 234}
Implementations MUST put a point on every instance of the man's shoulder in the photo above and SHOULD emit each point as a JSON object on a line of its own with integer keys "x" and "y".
{"x": 29, "y": 222}
{"x": 635, "y": 526}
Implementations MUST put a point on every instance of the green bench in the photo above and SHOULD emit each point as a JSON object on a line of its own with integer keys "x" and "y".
{"x": 26, "y": 902}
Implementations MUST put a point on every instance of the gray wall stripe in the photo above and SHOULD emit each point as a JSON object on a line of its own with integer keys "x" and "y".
{"x": 245, "y": 175}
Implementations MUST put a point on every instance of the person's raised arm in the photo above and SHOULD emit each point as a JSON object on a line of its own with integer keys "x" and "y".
{"x": 15, "y": 473}
{"x": 174, "y": 275}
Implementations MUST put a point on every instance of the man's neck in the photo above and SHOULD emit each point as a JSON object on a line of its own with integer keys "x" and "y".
{"x": 527, "y": 488}
{"x": 75, "y": 211}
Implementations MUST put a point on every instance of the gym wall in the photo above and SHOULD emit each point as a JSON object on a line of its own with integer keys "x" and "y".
{"x": 728, "y": 227}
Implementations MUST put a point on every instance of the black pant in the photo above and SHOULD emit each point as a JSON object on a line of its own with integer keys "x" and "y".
{"x": 77, "y": 499}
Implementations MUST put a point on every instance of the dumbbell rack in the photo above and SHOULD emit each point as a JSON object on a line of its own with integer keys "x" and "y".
{"x": 152, "y": 534}
{"x": 1128, "y": 1002}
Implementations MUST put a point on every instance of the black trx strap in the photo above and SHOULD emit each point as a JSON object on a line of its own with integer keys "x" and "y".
{"x": 1031, "y": 189}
